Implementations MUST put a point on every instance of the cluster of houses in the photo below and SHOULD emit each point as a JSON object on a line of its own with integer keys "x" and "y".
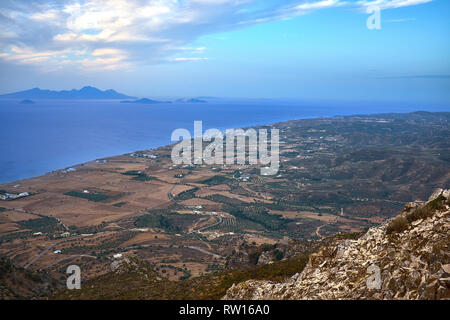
{"x": 143, "y": 155}
{"x": 244, "y": 177}
{"x": 216, "y": 234}
{"x": 195, "y": 207}
{"x": 196, "y": 210}
{"x": 213, "y": 213}
{"x": 12, "y": 196}
{"x": 64, "y": 234}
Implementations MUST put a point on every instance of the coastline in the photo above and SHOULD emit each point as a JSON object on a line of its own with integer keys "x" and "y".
{"x": 150, "y": 149}
{"x": 82, "y": 163}
{"x": 313, "y": 196}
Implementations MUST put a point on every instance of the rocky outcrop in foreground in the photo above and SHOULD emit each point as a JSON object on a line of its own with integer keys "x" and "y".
{"x": 407, "y": 257}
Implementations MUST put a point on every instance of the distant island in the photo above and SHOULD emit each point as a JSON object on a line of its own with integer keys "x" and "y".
{"x": 191, "y": 100}
{"x": 150, "y": 101}
{"x": 27, "y": 101}
{"x": 145, "y": 101}
{"x": 87, "y": 92}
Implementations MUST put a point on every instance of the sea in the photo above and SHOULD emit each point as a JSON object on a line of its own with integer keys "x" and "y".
{"x": 53, "y": 134}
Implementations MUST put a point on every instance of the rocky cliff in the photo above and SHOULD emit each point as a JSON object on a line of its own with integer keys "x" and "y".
{"x": 407, "y": 257}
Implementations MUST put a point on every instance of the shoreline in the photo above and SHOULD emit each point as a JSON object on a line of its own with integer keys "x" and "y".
{"x": 154, "y": 148}
{"x": 337, "y": 175}
{"x": 18, "y": 181}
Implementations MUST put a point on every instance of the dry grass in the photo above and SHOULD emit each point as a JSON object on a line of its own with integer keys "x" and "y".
{"x": 401, "y": 222}
{"x": 398, "y": 224}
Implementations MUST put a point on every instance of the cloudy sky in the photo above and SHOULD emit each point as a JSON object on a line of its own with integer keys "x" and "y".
{"x": 314, "y": 49}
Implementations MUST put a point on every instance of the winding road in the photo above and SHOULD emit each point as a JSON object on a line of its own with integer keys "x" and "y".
{"x": 172, "y": 198}
{"x": 41, "y": 254}
{"x": 70, "y": 257}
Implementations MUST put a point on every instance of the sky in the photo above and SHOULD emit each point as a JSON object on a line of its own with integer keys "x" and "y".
{"x": 294, "y": 49}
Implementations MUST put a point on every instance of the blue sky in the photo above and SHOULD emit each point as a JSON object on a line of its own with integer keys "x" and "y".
{"x": 315, "y": 49}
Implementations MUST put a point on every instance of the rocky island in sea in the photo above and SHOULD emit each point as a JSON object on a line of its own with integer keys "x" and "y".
{"x": 144, "y": 101}
{"x": 27, "y": 101}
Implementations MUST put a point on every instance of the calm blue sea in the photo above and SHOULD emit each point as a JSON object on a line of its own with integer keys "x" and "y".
{"x": 49, "y": 135}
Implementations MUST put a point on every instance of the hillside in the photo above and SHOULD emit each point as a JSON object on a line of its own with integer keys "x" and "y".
{"x": 131, "y": 278}
{"x": 204, "y": 224}
{"x": 414, "y": 264}
{"x": 18, "y": 283}
{"x": 411, "y": 251}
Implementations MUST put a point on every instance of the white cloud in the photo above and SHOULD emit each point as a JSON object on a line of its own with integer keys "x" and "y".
{"x": 107, "y": 52}
{"x": 391, "y": 4}
{"x": 318, "y": 5}
{"x": 120, "y": 33}
{"x": 188, "y": 59}
{"x": 400, "y": 20}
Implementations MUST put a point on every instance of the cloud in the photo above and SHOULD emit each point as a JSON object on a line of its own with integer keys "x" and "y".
{"x": 400, "y": 20}
{"x": 114, "y": 34}
{"x": 420, "y": 76}
{"x": 390, "y": 4}
{"x": 188, "y": 59}
{"x": 318, "y": 5}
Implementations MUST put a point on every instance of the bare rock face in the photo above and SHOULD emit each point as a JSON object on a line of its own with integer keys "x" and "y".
{"x": 411, "y": 264}
{"x": 132, "y": 265}
{"x": 119, "y": 266}
{"x": 265, "y": 258}
{"x": 125, "y": 265}
{"x": 436, "y": 194}
{"x": 247, "y": 254}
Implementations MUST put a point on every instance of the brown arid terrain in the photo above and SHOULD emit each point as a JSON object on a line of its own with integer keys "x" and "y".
{"x": 338, "y": 177}
{"x": 412, "y": 257}
{"x": 411, "y": 252}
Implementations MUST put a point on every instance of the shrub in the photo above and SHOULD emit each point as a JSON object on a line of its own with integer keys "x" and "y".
{"x": 253, "y": 257}
{"x": 398, "y": 224}
{"x": 143, "y": 177}
{"x": 278, "y": 254}
{"x": 44, "y": 224}
{"x": 96, "y": 197}
{"x": 215, "y": 180}
{"x": 188, "y": 194}
{"x": 267, "y": 247}
{"x": 132, "y": 173}
{"x": 120, "y": 204}
{"x": 138, "y": 175}
{"x": 426, "y": 210}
